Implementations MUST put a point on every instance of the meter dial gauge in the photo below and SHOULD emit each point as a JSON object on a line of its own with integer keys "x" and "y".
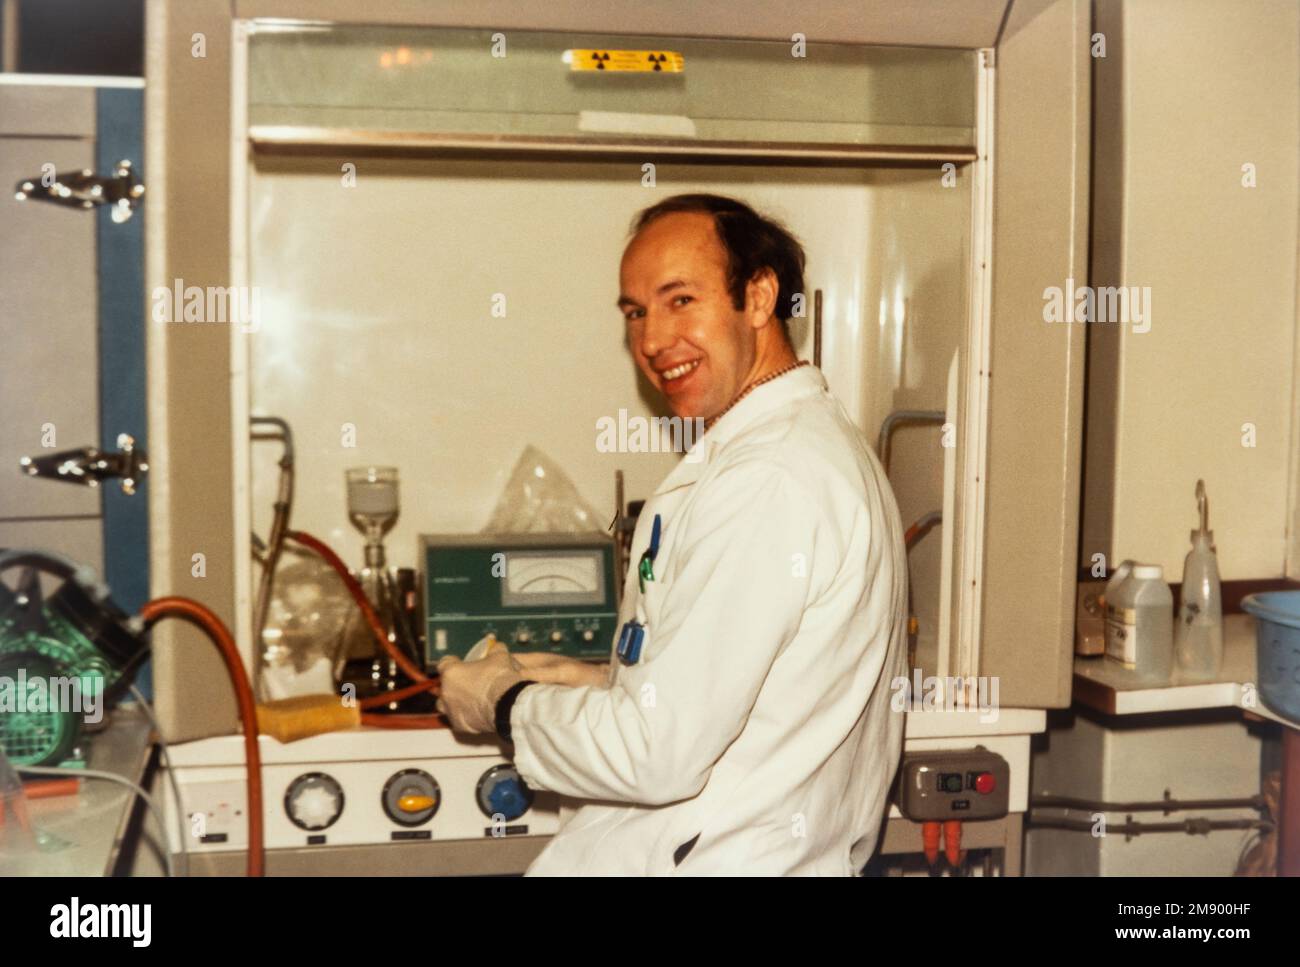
{"x": 411, "y": 797}
{"x": 314, "y": 801}
{"x": 503, "y": 792}
{"x": 560, "y": 574}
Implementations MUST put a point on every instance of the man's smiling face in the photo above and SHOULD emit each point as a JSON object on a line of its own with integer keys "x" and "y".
{"x": 686, "y": 335}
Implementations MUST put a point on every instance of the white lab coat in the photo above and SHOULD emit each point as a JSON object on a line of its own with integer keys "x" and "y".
{"x": 759, "y": 715}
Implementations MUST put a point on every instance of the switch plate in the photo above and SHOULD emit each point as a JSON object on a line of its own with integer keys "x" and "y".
{"x": 923, "y": 794}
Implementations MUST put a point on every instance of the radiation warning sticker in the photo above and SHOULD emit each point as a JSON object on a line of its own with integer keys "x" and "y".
{"x": 643, "y": 61}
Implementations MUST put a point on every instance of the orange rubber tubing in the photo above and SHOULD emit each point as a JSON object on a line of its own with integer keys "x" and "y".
{"x": 196, "y": 613}
{"x": 930, "y": 841}
{"x": 952, "y": 841}
{"x": 423, "y": 682}
{"x": 376, "y": 701}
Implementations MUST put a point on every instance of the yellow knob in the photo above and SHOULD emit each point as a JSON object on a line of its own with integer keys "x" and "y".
{"x": 416, "y": 804}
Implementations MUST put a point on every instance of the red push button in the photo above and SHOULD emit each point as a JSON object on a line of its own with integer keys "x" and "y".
{"x": 985, "y": 783}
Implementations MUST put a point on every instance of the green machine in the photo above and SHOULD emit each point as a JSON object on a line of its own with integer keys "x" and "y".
{"x": 63, "y": 658}
{"x": 535, "y": 592}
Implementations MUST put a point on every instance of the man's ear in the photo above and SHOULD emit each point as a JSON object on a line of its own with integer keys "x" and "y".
{"x": 760, "y": 297}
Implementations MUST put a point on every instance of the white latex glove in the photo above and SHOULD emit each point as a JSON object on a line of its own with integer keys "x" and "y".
{"x": 471, "y": 689}
{"x": 481, "y": 647}
{"x": 562, "y": 670}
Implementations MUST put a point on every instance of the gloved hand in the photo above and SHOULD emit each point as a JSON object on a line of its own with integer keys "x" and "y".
{"x": 471, "y": 689}
{"x": 561, "y": 670}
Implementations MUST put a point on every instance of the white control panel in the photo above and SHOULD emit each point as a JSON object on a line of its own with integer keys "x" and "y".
{"x": 362, "y": 787}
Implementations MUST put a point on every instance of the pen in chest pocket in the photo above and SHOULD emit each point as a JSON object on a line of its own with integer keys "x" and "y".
{"x": 645, "y": 571}
{"x": 632, "y": 635}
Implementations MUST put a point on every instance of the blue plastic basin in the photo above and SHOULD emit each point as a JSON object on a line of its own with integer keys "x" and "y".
{"x": 1277, "y": 649}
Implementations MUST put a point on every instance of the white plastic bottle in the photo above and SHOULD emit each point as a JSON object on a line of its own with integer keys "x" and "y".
{"x": 1198, "y": 636}
{"x": 1118, "y": 577}
{"x": 1112, "y": 618}
{"x": 1140, "y": 625}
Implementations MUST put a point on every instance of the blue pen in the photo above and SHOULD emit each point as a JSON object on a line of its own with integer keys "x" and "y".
{"x": 645, "y": 572}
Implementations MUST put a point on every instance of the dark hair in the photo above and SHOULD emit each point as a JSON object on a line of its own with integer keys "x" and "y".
{"x": 752, "y": 243}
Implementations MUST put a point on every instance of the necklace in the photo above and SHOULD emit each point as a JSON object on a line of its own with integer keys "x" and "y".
{"x": 708, "y": 424}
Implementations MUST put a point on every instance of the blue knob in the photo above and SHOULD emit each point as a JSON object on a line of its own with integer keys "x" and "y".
{"x": 508, "y": 797}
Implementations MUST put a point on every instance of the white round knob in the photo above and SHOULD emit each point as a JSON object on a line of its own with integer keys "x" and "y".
{"x": 315, "y": 807}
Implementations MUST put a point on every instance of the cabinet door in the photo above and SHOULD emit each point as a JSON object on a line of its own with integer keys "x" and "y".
{"x": 72, "y": 344}
{"x": 1040, "y": 231}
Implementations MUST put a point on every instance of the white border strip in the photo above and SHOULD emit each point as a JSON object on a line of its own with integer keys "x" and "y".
{"x": 950, "y": 532}
{"x": 155, "y": 271}
{"x": 1291, "y": 565}
{"x": 241, "y": 457}
{"x": 971, "y": 591}
{"x": 70, "y": 80}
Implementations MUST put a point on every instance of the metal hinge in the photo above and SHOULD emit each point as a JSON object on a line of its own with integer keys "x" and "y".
{"x": 85, "y": 189}
{"x": 90, "y": 465}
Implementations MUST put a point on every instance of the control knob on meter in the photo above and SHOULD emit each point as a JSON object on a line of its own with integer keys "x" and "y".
{"x": 314, "y": 801}
{"x": 502, "y": 792}
{"x": 411, "y": 797}
{"x": 557, "y": 637}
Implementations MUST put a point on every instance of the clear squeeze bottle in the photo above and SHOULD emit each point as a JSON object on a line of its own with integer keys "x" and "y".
{"x": 1198, "y": 636}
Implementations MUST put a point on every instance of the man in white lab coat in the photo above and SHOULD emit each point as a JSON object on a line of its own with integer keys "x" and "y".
{"x": 744, "y": 723}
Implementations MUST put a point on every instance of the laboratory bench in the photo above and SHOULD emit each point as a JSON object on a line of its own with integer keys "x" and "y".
{"x": 94, "y": 832}
{"x": 104, "y": 830}
{"x": 1107, "y": 687}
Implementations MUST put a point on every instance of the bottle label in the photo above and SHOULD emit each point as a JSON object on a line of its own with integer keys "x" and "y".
{"x": 1121, "y": 635}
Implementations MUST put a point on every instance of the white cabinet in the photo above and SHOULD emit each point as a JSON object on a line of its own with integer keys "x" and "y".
{"x": 1196, "y": 127}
